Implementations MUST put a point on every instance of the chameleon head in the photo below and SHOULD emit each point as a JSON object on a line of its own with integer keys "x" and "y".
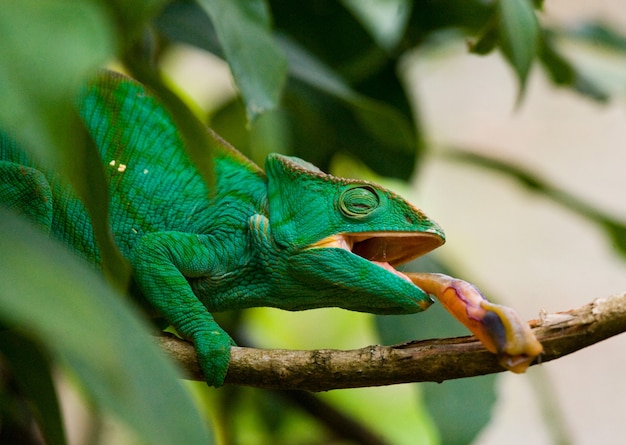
{"x": 341, "y": 240}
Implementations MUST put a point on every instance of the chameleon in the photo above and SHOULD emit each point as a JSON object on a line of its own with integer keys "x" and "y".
{"x": 288, "y": 236}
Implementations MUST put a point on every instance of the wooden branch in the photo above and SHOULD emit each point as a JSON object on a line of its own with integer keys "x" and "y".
{"x": 418, "y": 361}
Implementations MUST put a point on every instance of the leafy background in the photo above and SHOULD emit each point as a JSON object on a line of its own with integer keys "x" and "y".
{"x": 517, "y": 154}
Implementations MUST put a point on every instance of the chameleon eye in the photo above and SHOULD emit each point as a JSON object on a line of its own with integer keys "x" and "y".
{"x": 358, "y": 201}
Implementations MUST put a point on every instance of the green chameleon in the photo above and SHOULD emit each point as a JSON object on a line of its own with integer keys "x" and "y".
{"x": 291, "y": 237}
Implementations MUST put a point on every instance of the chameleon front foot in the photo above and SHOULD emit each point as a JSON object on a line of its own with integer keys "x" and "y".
{"x": 499, "y": 328}
{"x": 213, "y": 349}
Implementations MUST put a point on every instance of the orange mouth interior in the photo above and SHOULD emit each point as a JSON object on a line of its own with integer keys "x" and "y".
{"x": 385, "y": 249}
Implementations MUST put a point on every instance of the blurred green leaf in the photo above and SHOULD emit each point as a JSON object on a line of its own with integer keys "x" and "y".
{"x": 616, "y": 231}
{"x": 44, "y": 76}
{"x": 562, "y": 72}
{"x": 186, "y": 22}
{"x": 487, "y": 40}
{"x": 597, "y": 53}
{"x": 228, "y": 121}
{"x": 67, "y": 308}
{"x": 257, "y": 64}
{"x": 600, "y": 34}
{"x": 324, "y": 116}
{"x": 360, "y": 58}
{"x": 433, "y": 17}
{"x": 323, "y": 113}
{"x": 460, "y": 408}
{"x": 270, "y": 133}
{"x": 39, "y": 88}
{"x": 328, "y": 31}
{"x": 382, "y": 121}
{"x": 386, "y": 139}
{"x": 519, "y": 35}
{"x": 614, "y": 228}
{"x": 31, "y": 369}
{"x": 386, "y": 21}
{"x": 551, "y": 413}
{"x": 132, "y": 16}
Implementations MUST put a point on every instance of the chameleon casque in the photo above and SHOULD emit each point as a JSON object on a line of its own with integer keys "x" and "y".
{"x": 290, "y": 237}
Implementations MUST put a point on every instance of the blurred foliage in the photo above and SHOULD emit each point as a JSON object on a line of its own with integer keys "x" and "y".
{"x": 316, "y": 79}
{"x": 59, "y": 308}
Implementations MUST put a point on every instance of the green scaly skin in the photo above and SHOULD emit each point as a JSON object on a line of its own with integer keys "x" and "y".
{"x": 279, "y": 238}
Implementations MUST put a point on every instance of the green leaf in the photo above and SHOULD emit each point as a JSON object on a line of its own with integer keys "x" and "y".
{"x": 386, "y": 21}
{"x": 487, "y": 40}
{"x": 460, "y": 408}
{"x": 321, "y": 28}
{"x": 386, "y": 126}
{"x": 257, "y": 64}
{"x": 323, "y": 116}
{"x": 614, "y": 228}
{"x": 40, "y": 76}
{"x": 39, "y": 88}
{"x": 67, "y": 308}
{"x": 132, "y": 16}
{"x": 321, "y": 113}
{"x": 31, "y": 369}
{"x": 601, "y": 35}
{"x": 538, "y": 4}
{"x": 519, "y": 35}
{"x": 616, "y": 232}
{"x": 562, "y": 72}
{"x": 186, "y": 22}
{"x": 430, "y": 18}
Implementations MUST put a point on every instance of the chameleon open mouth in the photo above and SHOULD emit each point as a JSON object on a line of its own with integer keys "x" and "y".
{"x": 385, "y": 249}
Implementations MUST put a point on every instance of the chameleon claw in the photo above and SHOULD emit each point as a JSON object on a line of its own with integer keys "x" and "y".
{"x": 499, "y": 328}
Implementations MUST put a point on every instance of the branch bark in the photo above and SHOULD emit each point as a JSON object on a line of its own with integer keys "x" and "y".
{"x": 560, "y": 333}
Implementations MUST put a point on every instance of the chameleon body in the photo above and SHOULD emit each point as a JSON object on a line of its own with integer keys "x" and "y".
{"x": 290, "y": 237}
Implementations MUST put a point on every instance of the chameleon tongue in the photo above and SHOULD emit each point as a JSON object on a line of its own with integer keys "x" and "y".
{"x": 388, "y": 267}
{"x": 499, "y": 328}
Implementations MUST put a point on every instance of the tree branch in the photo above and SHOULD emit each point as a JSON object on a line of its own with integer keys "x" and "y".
{"x": 417, "y": 361}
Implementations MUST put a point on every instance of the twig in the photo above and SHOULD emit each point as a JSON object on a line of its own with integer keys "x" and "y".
{"x": 417, "y": 361}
